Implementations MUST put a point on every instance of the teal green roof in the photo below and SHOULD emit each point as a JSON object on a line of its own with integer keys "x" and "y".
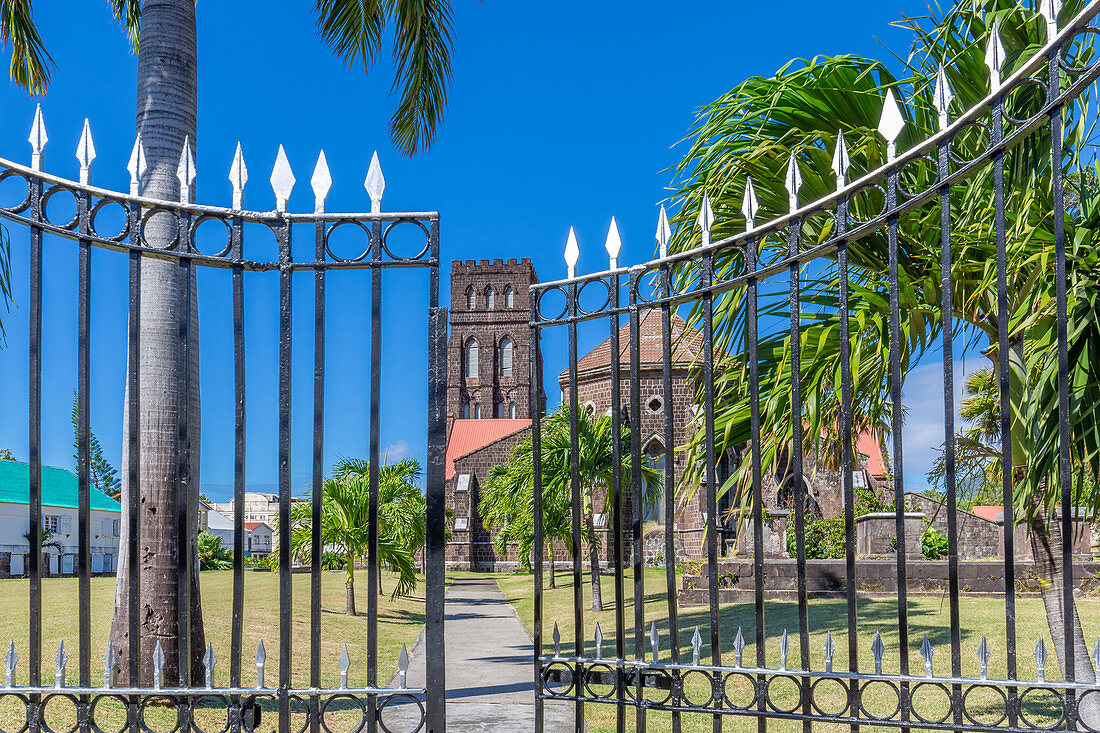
{"x": 59, "y": 488}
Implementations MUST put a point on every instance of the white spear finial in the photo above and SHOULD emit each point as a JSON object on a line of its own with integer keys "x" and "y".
{"x": 185, "y": 171}
{"x": 321, "y": 181}
{"x": 794, "y": 181}
{"x": 664, "y": 233}
{"x": 85, "y": 151}
{"x": 158, "y": 666}
{"x": 995, "y": 55}
{"x": 61, "y": 659}
{"x": 209, "y": 661}
{"x": 10, "y": 660}
{"x": 599, "y": 641}
{"x": 1050, "y": 10}
{"x": 136, "y": 166}
{"x": 238, "y": 176}
{"x": 750, "y": 205}
{"x": 37, "y": 139}
{"x": 403, "y": 667}
{"x": 613, "y": 243}
{"x": 572, "y": 253}
{"x": 891, "y": 123}
{"x": 943, "y": 96}
{"x": 109, "y": 667}
{"x": 375, "y": 183}
{"x": 705, "y": 220}
{"x": 345, "y": 665}
{"x": 841, "y": 161}
{"x": 282, "y": 180}
{"x": 261, "y": 659}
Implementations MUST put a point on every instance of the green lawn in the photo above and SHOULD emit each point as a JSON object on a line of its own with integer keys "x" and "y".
{"x": 926, "y": 615}
{"x": 398, "y": 622}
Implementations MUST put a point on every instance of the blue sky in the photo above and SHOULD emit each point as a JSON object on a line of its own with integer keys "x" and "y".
{"x": 560, "y": 115}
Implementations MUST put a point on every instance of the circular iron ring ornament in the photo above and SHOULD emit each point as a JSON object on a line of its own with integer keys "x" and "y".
{"x": 389, "y": 700}
{"x": 148, "y": 217}
{"x": 93, "y": 214}
{"x": 1022, "y": 707}
{"x": 590, "y": 671}
{"x": 728, "y": 700}
{"x": 171, "y": 702}
{"x": 26, "y": 711}
{"x": 564, "y": 687}
{"x": 1003, "y": 705}
{"x": 306, "y": 707}
{"x": 542, "y": 295}
{"x": 347, "y": 222}
{"x": 853, "y": 197}
{"x": 632, "y": 690}
{"x": 817, "y": 703}
{"x": 960, "y": 160}
{"x": 324, "y": 709}
{"x": 937, "y": 686}
{"x": 606, "y": 297}
{"x": 397, "y": 258}
{"x": 95, "y": 726}
{"x": 44, "y": 206}
{"x": 1089, "y": 694}
{"x": 686, "y": 677}
{"x": 224, "y": 252}
{"x": 26, "y": 202}
{"x": 911, "y": 194}
{"x": 1067, "y": 43}
{"x": 46, "y": 700}
{"x": 863, "y": 699}
{"x": 1023, "y": 84}
{"x": 768, "y": 693}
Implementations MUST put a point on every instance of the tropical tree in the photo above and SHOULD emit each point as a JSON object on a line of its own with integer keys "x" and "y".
{"x": 345, "y": 526}
{"x": 508, "y": 496}
{"x": 102, "y": 475}
{"x": 163, "y": 35}
{"x": 756, "y": 128}
{"x": 49, "y": 541}
{"x": 212, "y": 554}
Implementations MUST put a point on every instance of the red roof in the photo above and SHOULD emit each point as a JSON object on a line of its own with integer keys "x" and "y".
{"x": 470, "y": 435}
{"x": 253, "y": 525}
{"x": 992, "y": 513}
{"x": 868, "y": 444}
{"x": 686, "y": 342}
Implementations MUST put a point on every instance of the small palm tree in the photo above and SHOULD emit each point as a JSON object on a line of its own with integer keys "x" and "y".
{"x": 49, "y": 541}
{"x": 212, "y": 554}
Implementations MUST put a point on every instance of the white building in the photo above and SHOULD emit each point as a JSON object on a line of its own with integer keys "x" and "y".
{"x": 59, "y": 517}
{"x": 258, "y": 507}
{"x": 257, "y": 539}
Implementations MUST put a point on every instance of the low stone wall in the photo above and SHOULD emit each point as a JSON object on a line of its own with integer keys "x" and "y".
{"x": 827, "y": 579}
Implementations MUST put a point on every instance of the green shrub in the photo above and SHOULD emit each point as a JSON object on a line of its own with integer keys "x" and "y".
{"x": 824, "y": 539}
{"x": 333, "y": 561}
{"x": 933, "y": 544}
{"x": 212, "y": 555}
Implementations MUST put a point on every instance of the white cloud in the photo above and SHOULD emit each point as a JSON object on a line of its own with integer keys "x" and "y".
{"x": 395, "y": 451}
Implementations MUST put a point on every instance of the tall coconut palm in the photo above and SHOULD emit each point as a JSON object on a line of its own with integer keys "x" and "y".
{"x": 595, "y": 461}
{"x": 163, "y": 33}
{"x": 755, "y": 129}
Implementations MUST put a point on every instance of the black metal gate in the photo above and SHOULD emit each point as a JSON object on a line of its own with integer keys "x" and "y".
{"x": 241, "y": 694}
{"x": 648, "y": 672}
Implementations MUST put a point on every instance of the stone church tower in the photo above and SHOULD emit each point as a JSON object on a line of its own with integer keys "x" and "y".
{"x": 489, "y": 364}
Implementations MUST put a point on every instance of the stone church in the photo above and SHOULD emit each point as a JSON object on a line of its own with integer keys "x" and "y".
{"x": 489, "y": 411}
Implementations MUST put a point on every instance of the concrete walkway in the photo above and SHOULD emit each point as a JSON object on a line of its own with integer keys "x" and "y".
{"x": 490, "y": 685}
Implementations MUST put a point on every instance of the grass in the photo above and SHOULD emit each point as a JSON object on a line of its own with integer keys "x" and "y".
{"x": 929, "y": 615}
{"x": 399, "y": 622}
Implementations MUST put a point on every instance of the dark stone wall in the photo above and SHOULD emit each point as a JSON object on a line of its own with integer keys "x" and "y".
{"x": 979, "y": 539}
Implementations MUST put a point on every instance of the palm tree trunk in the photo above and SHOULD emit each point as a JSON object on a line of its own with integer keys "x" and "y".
{"x": 169, "y": 389}
{"x": 349, "y": 585}
{"x": 594, "y": 564}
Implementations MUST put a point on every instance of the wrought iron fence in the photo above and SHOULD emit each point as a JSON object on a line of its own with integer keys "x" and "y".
{"x": 652, "y": 676}
{"x": 237, "y": 695}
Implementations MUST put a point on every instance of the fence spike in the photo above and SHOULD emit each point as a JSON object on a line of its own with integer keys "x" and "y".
{"x": 403, "y": 667}
{"x": 891, "y": 123}
{"x": 109, "y": 666}
{"x": 375, "y": 183}
{"x": 261, "y": 657}
{"x": 85, "y": 151}
{"x": 136, "y": 166}
{"x": 38, "y": 139}
{"x": 654, "y": 641}
{"x": 749, "y": 205}
{"x": 878, "y": 649}
{"x": 830, "y": 649}
{"x": 599, "y": 641}
{"x": 613, "y": 243}
{"x": 943, "y": 96}
{"x": 664, "y": 233}
{"x": 238, "y": 177}
{"x": 696, "y": 645}
{"x": 185, "y": 171}
{"x": 793, "y": 181}
{"x": 926, "y": 651}
{"x": 10, "y": 660}
{"x": 1050, "y": 10}
{"x": 1040, "y": 660}
{"x": 210, "y": 661}
{"x": 994, "y": 55}
{"x": 784, "y": 646}
{"x": 321, "y": 182}
{"x": 345, "y": 665}
{"x": 158, "y": 666}
{"x": 1096, "y": 655}
{"x": 572, "y": 253}
{"x": 705, "y": 219}
{"x": 557, "y": 640}
{"x": 841, "y": 161}
{"x": 61, "y": 659}
{"x": 282, "y": 180}
{"x": 983, "y": 658}
{"x": 738, "y": 645}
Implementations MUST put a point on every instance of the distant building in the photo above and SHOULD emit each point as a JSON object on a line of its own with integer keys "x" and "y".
{"x": 258, "y": 507}
{"x": 60, "y": 501}
{"x": 257, "y": 539}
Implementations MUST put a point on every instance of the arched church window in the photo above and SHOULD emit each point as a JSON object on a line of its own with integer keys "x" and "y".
{"x": 477, "y": 412}
{"x": 471, "y": 298}
{"x": 465, "y": 410}
{"x": 490, "y": 298}
{"x": 512, "y": 411}
{"x": 509, "y": 297}
{"x": 471, "y": 358}
{"x": 506, "y": 353}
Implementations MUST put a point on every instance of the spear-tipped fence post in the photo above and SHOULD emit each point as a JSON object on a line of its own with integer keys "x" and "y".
{"x": 613, "y": 244}
{"x": 345, "y": 665}
{"x": 784, "y": 646}
{"x": 321, "y": 183}
{"x": 841, "y": 162}
{"x": 282, "y": 180}
{"x": 891, "y": 123}
{"x": 10, "y": 660}
{"x": 663, "y": 234}
{"x": 706, "y": 218}
{"x": 375, "y": 183}
{"x": 61, "y": 659}
{"x": 557, "y": 641}
{"x": 136, "y": 166}
{"x": 85, "y": 152}
{"x": 1050, "y": 10}
{"x": 238, "y": 177}
{"x": 185, "y": 171}
{"x": 942, "y": 96}
{"x": 983, "y": 658}
{"x": 38, "y": 139}
{"x": 830, "y": 649}
{"x": 109, "y": 667}
{"x": 403, "y": 667}
{"x": 738, "y": 647}
{"x": 994, "y": 56}
{"x": 926, "y": 651}
{"x": 654, "y": 641}
{"x": 793, "y": 182}
{"x": 261, "y": 658}
{"x": 572, "y": 253}
{"x": 696, "y": 645}
{"x": 599, "y": 641}
{"x": 749, "y": 206}
{"x": 1040, "y": 660}
{"x": 209, "y": 661}
{"x": 878, "y": 649}
{"x": 158, "y": 666}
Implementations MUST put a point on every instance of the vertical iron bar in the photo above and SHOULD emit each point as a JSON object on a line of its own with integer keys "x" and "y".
{"x": 435, "y": 554}
{"x": 575, "y": 493}
{"x": 536, "y": 490}
{"x": 617, "y": 504}
{"x": 133, "y": 485}
{"x": 285, "y": 575}
{"x": 374, "y": 565}
{"x": 34, "y": 412}
{"x": 706, "y": 276}
{"x": 83, "y": 467}
{"x": 318, "y": 468}
{"x": 635, "y": 417}
{"x": 751, "y": 347}
{"x": 184, "y": 527}
{"x": 236, "y": 641}
{"x": 669, "y": 508}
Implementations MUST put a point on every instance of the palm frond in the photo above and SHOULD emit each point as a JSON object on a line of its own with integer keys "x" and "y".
{"x": 30, "y": 62}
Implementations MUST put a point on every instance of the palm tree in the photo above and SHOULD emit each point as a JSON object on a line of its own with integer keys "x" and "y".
{"x": 595, "y": 461}
{"x": 345, "y": 527}
{"x": 754, "y": 130}
{"x": 167, "y": 104}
